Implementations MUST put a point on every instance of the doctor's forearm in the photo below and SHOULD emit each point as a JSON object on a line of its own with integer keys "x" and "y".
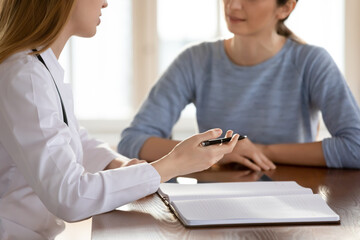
{"x": 308, "y": 154}
{"x": 155, "y": 148}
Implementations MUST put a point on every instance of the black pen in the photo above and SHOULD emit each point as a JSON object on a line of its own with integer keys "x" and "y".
{"x": 220, "y": 140}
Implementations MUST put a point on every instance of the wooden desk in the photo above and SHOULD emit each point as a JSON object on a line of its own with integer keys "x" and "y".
{"x": 149, "y": 218}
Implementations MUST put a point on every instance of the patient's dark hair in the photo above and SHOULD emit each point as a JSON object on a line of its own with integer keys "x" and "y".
{"x": 282, "y": 29}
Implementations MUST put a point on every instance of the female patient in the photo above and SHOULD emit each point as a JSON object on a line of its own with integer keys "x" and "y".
{"x": 50, "y": 169}
{"x": 262, "y": 82}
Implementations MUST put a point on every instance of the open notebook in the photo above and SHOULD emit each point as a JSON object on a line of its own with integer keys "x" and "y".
{"x": 237, "y": 203}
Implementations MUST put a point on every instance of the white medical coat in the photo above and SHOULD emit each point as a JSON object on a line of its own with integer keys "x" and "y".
{"x": 48, "y": 170}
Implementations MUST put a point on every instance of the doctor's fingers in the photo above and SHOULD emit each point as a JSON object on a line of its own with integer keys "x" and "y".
{"x": 210, "y": 134}
{"x": 217, "y": 152}
{"x": 228, "y": 147}
{"x": 229, "y": 133}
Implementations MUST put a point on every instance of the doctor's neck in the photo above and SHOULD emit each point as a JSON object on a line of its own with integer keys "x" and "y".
{"x": 59, "y": 44}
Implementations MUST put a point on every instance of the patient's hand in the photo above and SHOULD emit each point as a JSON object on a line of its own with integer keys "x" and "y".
{"x": 248, "y": 154}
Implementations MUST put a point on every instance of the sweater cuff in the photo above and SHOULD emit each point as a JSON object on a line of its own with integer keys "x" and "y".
{"x": 331, "y": 154}
{"x": 131, "y": 147}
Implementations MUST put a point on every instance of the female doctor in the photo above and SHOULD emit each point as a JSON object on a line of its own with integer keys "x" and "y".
{"x": 50, "y": 169}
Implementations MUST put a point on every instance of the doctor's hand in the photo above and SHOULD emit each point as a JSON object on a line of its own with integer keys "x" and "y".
{"x": 117, "y": 163}
{"x": 133, "y": 161}
{"x": 248, "y": 154}
{"x": 190, "y": 156}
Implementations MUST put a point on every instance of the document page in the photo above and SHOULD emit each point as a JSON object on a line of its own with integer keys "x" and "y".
{"x": 255, "y": 210}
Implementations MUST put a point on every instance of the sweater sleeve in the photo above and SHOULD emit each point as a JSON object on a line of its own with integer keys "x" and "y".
{"x": 162, "y": 108}
{"x": 330, "y": 93}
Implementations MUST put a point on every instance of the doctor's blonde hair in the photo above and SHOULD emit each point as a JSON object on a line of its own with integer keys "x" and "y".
{"x": 29, "y": 24}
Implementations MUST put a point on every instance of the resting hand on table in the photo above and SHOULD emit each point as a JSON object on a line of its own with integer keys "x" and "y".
{"x": 190, "y": 156}
{"x": 248, "y": 154}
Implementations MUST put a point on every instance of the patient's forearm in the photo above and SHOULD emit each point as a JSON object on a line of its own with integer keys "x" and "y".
{"x": 308, "y": 154}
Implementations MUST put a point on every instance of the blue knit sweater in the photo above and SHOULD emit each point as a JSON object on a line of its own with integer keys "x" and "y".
{"x": 276, "y": 101}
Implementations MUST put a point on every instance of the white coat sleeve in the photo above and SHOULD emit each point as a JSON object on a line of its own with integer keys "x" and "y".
{"x": 97, "y": 154}
{"x": 39, "y": 142}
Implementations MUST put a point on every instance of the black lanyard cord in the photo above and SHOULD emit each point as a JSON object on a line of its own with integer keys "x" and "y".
{"x": 57, "y": 89}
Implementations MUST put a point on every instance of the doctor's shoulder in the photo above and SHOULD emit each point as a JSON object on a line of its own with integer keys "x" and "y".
{"x": 21, "y": 67}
